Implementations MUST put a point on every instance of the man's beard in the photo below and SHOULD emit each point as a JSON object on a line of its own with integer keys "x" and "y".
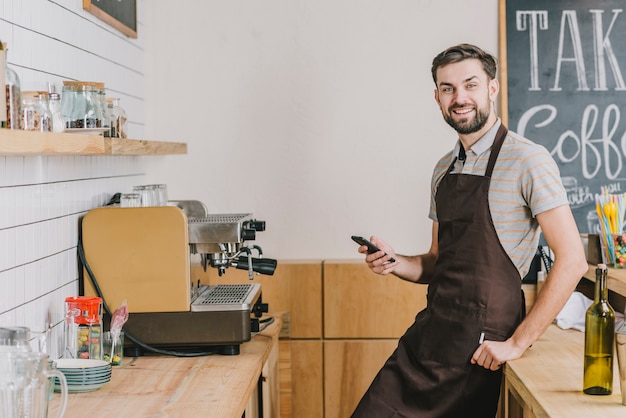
{"x": 468, "y": 126}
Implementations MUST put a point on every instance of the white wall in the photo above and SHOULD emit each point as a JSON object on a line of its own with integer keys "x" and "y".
{"x": 316, "y": 116}
{"x": 43, "y": 198}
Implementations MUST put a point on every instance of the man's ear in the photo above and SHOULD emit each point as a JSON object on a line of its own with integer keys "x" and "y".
{"x": 494, "y": 89}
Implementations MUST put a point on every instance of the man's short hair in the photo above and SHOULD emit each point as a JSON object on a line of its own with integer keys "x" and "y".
{"x": 462, "y": 52}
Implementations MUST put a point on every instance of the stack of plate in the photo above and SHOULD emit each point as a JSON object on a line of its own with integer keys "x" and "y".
{"x": 83, "y": 375}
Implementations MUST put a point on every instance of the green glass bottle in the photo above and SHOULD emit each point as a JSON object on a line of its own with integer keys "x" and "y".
{"x": 599, "y": 340}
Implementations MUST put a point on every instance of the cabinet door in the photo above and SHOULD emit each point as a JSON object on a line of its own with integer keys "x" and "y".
{"x": 349, "y": 368}
{"x": 362, "y": 304}
{"x": 307, "y": 379}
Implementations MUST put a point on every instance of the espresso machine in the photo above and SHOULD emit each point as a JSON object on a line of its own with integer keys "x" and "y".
{"x": 143, "y": 256}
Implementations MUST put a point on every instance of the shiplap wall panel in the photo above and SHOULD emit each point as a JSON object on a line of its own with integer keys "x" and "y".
{"x": 42, "y": 198}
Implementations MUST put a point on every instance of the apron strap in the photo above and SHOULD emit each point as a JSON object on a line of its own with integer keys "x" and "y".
{"x": 495, "y": 149}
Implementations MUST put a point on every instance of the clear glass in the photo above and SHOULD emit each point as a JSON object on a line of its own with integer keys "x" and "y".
{"x": 113, "y": 348}
{"x": 54, "y": 104}
{"x": 130, "y": 200}
{"x": 35, "y": 115}
{"x": 149, "y": 195}
{"x": 45, "y": 119}
{"x": 105, "y": 120}
{"x": 599, "y": 340}
{"x": 25, "y": 380}
{"x": 162, "y": 194}
{"x": 14, "y": 98}
{"x": 80, "y": 107}
{"x": 118, "y": 118}
{"x": 67, "y": 101}
{"x": 15, "y": 339}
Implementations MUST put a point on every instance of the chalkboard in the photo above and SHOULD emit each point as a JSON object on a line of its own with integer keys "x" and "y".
{"x": 121, "y": 14}
{"x": 563, "y": 72}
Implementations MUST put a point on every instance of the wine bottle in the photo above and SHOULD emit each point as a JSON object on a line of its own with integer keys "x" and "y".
{"x": 599, "y": 340}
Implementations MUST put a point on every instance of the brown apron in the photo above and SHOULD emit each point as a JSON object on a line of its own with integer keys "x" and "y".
{"x": 475, "y": 289}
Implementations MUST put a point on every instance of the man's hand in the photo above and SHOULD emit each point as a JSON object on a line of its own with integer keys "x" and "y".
{"x": 379, "y": 262}
{"x": 493, "y": 354}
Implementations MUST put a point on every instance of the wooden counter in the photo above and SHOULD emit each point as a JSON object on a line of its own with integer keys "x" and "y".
{"x": 160, "y": 386}
{"x": 547, "y": 381}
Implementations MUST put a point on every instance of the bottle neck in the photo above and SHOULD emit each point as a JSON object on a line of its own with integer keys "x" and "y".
{"x": 601, "y": 289}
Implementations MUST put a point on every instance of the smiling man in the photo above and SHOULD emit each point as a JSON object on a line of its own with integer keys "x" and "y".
{"x": 491, "y": 197}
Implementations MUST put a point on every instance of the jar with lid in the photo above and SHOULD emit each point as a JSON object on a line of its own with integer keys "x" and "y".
{"x": 83, "y": 327}
{"x": 79, "y": 105}
{"x": 118, "y": 118}
{"x": 35, "y": 115}
{"x": 13, "y": 99}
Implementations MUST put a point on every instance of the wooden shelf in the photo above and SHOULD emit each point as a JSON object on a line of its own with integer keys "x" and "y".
{"x": 18, "y": 142}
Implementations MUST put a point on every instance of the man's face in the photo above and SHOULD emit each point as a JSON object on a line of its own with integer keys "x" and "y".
{"x": 465, "y": 95}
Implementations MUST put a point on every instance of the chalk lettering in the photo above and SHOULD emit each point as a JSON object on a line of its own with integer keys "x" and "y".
{"x": 533, "y": 20}
{"x": 602, "y": 44}
{"x": 592, "y": 153}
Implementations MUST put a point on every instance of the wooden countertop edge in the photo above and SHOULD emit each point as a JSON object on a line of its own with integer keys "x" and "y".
{"x": 185, "y": 387}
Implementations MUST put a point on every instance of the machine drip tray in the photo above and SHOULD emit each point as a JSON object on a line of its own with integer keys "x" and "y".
{"x": 226, "y": 297}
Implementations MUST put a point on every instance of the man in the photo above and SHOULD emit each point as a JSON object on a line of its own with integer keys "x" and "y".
{"x": 491, "y": 197}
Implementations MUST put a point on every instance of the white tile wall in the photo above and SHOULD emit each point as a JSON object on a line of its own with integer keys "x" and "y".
{"x": 42, "y": 198}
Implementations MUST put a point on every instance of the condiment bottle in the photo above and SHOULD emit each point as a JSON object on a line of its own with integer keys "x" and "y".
{"x": 54, "y": 104}
{"x": 599, "y": 340}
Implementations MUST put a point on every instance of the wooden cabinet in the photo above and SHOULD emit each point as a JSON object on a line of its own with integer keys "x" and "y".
{"x": 364, "y": 315}
{"x": 343, "y": 322}
{"x": 362, "y": 304}
{"x": 295, "y": 288}
{"x": 349, "y": 368}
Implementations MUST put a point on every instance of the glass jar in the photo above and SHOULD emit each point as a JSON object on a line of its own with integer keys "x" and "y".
{"x": 103, "y": 110}
{"x": 79, "y": 105}
{"x": 13, "y": 96}
{"x": 46, "y": 115}
{"x": 35, "y": 115}
{"x": 68, "y": 95}
{"x": 118, "y": 118}
{"x": 83, "y": 327}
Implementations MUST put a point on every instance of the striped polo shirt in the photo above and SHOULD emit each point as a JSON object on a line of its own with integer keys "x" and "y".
{"x": 525, "y": 182}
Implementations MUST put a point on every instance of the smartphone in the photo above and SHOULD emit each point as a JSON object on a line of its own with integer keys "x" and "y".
{"x": 371, "y": 248}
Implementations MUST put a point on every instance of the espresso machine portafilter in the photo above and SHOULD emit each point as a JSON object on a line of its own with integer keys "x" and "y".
{"x": 220, "y": 239}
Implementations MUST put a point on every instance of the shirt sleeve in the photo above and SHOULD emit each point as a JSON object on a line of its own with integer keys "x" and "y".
{"x": 540, "y": 181}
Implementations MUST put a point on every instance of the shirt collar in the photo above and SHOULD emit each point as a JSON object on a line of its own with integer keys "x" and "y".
{"x": 483, "y": 144}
